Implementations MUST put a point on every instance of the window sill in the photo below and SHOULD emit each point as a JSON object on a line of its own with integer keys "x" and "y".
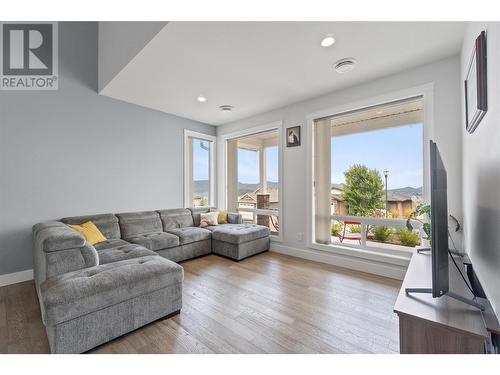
{"x": 400, "y": 257}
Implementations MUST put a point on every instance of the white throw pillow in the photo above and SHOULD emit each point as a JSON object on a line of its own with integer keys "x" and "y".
{"x": 209, "y": 218}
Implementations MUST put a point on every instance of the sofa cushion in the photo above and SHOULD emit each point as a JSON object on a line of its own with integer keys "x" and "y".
{"x": 191, "y": 234}
{"x": 81, "y": 292}
{"x": 176, "y": 218}
{"x": 116, "y": 250}
{"x": 155, "y": 241}
{"x": 239, "y": 233}
{"x": 196, "y": 211}
{"x": 136, "y": 223}
{"x": 109, "y": 244}
{"x": 107, "y": 223}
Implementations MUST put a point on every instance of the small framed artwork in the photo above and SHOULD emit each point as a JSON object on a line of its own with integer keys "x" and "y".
{"x": 293, "y": 136}
{"x": 476, "y": 103}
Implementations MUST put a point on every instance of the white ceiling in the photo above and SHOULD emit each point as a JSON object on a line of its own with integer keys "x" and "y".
{"x": 259, "y": 66}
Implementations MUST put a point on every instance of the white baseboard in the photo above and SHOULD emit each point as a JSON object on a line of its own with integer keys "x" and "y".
{"x": 16, "y": 277}
{"x": 378, "y": 268}
{"x": 364, "y": 265}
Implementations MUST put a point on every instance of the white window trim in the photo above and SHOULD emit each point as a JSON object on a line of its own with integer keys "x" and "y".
{"x": 222, "y": 165}
{"x": 426, "y": 91}
{"x": 212, "y": 163}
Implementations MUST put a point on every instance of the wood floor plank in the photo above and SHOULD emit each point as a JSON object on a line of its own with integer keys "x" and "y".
{"x": 269, "y": 303}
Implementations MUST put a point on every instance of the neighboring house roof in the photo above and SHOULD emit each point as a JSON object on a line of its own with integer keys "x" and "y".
{"x": 248, "y": 198}
{"x": 251, "y": 197}
{"x": 338, "y": 197}
{"x": 397, "y": 197}
{"x": 338, "y": 186}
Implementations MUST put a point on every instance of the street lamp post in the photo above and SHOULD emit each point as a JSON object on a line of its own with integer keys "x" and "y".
{"x": 386, "y": 173}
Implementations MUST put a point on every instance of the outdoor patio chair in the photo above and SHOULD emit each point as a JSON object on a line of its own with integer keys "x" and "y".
{"x": 349, "y": 235}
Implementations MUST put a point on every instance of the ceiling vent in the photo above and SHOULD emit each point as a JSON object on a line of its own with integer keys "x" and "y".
{"x": 345, "y": 65}
{"x": 226, "y": 108}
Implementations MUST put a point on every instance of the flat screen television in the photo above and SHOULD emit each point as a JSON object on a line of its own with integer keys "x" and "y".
{"x": 439, "y": 223}
{"x": 439, "y": 235}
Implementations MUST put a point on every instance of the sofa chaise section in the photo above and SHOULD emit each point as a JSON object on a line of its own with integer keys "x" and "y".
{"x": 86, "y": 308}
{"x": 235, "y": 239}
{"x": 240, "y": 241}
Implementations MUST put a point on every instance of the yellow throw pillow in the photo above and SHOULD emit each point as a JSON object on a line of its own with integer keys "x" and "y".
{"x": 222, "y": 219}
{"x": 88, "y": 230}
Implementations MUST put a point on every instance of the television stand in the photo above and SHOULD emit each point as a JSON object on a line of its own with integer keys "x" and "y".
{"x": 457, "y": 253}
{"x": 438, "y": 325}
{"x": 449, "y": 294}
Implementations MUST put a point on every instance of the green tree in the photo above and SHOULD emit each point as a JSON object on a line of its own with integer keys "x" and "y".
{"x": 363, "y": 191}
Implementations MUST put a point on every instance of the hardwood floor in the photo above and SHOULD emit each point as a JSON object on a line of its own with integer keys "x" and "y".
{"x": 269, "y": 303}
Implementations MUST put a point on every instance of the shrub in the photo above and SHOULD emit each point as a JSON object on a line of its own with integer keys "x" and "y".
{"x": 355, "y": 228}
{"x": 394, "y": 214}
{"x": 382, "y": 233}
{"x": 408, "y": 237}
{"x": 408, "y": 213}
{"x": 336, "y": 228}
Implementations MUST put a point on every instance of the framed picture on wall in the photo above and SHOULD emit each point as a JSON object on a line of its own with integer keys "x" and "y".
{"x": 293, "y": 136}
{"x": 476, "y": 103}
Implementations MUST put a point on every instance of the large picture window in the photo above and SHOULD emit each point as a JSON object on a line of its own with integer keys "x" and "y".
{"x": 369, "y": 176}
{"x": 199, "y": 179}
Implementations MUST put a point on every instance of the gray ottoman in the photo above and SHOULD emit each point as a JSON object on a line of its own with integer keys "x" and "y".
{"x": 86, "y": 308}
{"x": 239, "y": 241}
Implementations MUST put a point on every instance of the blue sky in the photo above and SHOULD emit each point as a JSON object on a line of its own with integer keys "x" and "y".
{"x": 200, "y": 160}
{"x": 248, "y": 165}
{"x": 399, "y": 150}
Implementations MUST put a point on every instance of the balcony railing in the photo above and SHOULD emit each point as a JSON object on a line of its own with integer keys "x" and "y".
{"x": 365, "y": 222}
{"x": 255, "y": 212}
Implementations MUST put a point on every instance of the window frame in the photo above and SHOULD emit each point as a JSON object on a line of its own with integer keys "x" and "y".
{"x": 426, "y": 91}
{"x": 222, "y": 167}
{"x": 188, "y": 166}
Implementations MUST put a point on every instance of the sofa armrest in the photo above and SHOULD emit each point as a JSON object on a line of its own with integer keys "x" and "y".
{"x": 58, "y": 249}
{"x": 55, "y": 236}
{"x": 234, "y": 218}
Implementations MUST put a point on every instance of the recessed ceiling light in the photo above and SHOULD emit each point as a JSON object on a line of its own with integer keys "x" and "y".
{"x": 328, "y": 41}
{"x": 226, "y": 108}
{"x": 201, "y": 99}
{"x": 345, "y": 65}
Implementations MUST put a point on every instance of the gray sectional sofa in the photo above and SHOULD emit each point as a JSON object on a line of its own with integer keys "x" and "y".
{"x": 92, "y": 294}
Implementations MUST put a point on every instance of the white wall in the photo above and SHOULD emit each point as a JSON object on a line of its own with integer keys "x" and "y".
{"x": 443, "y": 74}
{"x": 481, "y": 170}
{"x": 74, "y": 152}
{"x": 120, "y": 42}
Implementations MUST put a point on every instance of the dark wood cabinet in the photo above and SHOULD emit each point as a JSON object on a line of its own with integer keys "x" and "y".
{"x": 437, "y": 325}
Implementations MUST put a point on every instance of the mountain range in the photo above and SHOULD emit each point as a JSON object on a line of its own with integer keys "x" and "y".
{"x": 201, "y": 188}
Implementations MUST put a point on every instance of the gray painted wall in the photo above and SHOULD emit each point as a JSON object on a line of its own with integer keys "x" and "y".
{"x": 481, "y": 170}
{"x": 73, "y": 152}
